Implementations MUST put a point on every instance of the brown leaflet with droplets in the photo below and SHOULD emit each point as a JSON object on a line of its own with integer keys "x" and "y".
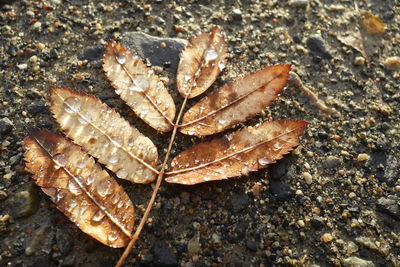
{"x": 235, "y": 102}
{"x": 239, "y": 153}
{"x": 139, "y": 87}
{"x": 78, "y": 186}
{"x": 201, "y": 62}
{"x": 104, "y": 134}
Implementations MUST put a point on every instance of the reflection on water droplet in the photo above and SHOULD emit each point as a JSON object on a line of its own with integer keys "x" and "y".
{"x": 221, "y": 65}
{"x": 187, "y": 77}
{"x": 140, "y": 83}
{"x": 113, "y": 159}
{"x": 84, "y": 119}
{"x": 83, "y": 210}
{"x": 105, "y": 188}
{"x": 60, "y": 159}
{"x": 74, "y": 187}
{"x": 115, "y": 198}
{"x": 112, "y": 236}
{"x": 118, "y": 91}
{"x": 122, "y": 174}
{"x": 120, "y": 58}
{"x": 221, "y": 121}
{"x": 263, "y": 161}
{"x": 120, "y": 203}
{"x": 211, "y": 54}
{"x": 190, "y": 132}
{"x": 60, "y": 195}
{"x": 72, "y": 105}
{"x": 72, "y": 205}
{"x": 81, "y": 164}
{"x": 98, "y": 216}
{"x": 276, "y": 147}
{"x": 90, "y": 180}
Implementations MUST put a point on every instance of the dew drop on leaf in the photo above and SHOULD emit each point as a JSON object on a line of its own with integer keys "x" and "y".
{"x": 139, "y": 84}
{"x": 105, "y": 188}
{"x": 113, "y": 159}
{"x": 81, "y": 164}
{"x": 83, "y": 210}
{"x": 120, "y": 58}
{"x": 98, "y": 216}
{"x": 112, "y": 236}
{"x": 74, "y": 187}
{"x": 263, "y": 161}
{"x": 84, "y": 119}
{"x": 72, "y": 105}
{"x": 122, "y": 174}
{"x": 60, "y": 195}
{"x": 115, "y": 198}
{"x": 211, "y": 54}
{"x": 90, "y": 180}
{"x": 60, "y": 159}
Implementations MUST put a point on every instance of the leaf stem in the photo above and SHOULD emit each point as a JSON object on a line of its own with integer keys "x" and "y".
{"x": 155, "y": 191}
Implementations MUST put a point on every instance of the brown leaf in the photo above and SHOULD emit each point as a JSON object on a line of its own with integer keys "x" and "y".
{"x": 235, "y": 102}
{"x": 239, "y": 153}
{"x": 201, "y": 62}
{"x": 104, "y": 134}
{"x": 84, "y": 192}
{"x": 139, "y": 87}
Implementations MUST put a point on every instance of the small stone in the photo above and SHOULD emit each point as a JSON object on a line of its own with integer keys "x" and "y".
{"x": 354, "y": 261}
{"x": 236, "y": 14}
{"x": 359, "y": 61}
{"x": 326, "y": 238}
{"x": 25, "y": 202}
{"x": 5, "y": 127}
{"x": 163, "y": 255}
{"x": 362, "y": 157}
{"x": 22, "y": 66}
{"x": 216, "y": 238}
{"x": 332, "y": 162}
{"x": 239, "y": 202}
{"x": 352, "y": 195}
{"x": 251, "y": 245}
{"x": 281, "y": 191}
{"x": 390, "y": 205}
{"x": 194, "y": 246}
{"x": 301, "y": 223}
{"x": 317, "y": 47}
{"x": 3, "y": 195}
{"x": 37, "y": 26}
{"x": 307, "y": 177}
{"x": 392, "y": 63}
{"x": 299, "y": 3}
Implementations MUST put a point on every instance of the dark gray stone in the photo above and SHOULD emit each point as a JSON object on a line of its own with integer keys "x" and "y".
{"x": 24, "y": 202}
{"x": 5, "y": 127}
{"x": 92, "y": 53}
{"x": 280, "y": 191}
{"x": 149, "y": 47}
{"x": 331, "y": 162}
{"x": 390, "y": 205}
{"x": 163, "y": 255}
{"x": 317, "y": 47}
{"x": 239, "y": 202}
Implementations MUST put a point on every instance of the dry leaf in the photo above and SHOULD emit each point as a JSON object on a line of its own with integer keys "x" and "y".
{"x": 139, "y": 87}
{"x": 235, "y": 102}
{"x": 372, "y": 24}
{"x": 201, "y": 62}
{"x": 104, "y": 134}
{"x": 239, "y": 153}
{"x": 78, "y": 186}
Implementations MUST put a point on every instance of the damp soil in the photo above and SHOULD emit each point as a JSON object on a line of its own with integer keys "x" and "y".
{"x": 334, "y": 201}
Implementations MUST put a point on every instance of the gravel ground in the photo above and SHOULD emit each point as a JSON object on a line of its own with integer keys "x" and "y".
{"x": 334, "y": 201}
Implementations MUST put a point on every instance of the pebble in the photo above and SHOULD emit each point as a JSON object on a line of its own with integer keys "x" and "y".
{"x": 5, "y": 127}
{"x": 24, "y": 203}
{"x": 239, "y": 202}
{"x": 22, "y": 66}
{"x": 194, "y": 246}
{"x": 307, "y": 177}
{"x": 149, "y": 47}
{"x": 216, "y": 238}
{"x": 3, "y": 195}
{"x": 332, "y": 162}
{"x": 299, "y": 3}
{"x": 390, "y": 205}
{"x": 236, "y": 15}
{"x": 362, "y": 157}
{"x": 37, "y": 26}
{"x": 163, "y": 255}
{"x": 326, "y": 238}
{"x": 317, "y": 47}
{"x": 359, "y": 61}
{"x": 301, "y": 223}
{"x": 281, "y": 191}
{"x": 392, "y": 63}
{"x": 352, "y": 195}
{"x": 355, "y": 261}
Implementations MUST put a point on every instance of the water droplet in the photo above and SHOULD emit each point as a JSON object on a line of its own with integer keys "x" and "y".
{"x": 83, "y": 210}
{"x": 84, "y": 119}
{"x": 74, "y": 188}
{"x": 206, "y": 178}
{"x": 221, "y": 121}
{"x": 72, "y": 105}
{"x": 121, "y": 59}
{"x": 113, "y": 159}
{"x": 120, "y": 203}
{"x": 122, "y": 174}
{"x": 187, "y": 77}
{"x": 190, "y": 132}
{"x": 105, "y": 188}
{"x": 221, "y": 65}
{"x": 90, "y": 180}
{"x": 115, "y": 198}
{"x": 276, "y": 147}
{"x": 60, "y": 159}
{"x": 140, "y": 84}
{"x": 211, "y": 54}
{"x": 112, "y": 236}
{"x": 263, "y": 161}
{"x": 60, "y": 195}
{"x": 98, "y": 216}
{"x": 72, "y": 205}
{"x": 81, "y": 164}
{"x": 118, "y": 91}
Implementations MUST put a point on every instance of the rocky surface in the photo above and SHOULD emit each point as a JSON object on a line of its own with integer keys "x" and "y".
{"x": 333, "y": 202}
